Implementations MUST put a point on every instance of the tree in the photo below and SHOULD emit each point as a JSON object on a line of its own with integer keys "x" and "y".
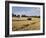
{"x": 13, "y": 15}
{"x": 23, "y": 15}
{"x": 18, "y": 15}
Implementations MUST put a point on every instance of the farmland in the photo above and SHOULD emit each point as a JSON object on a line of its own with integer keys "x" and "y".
{"x": 22, "y": 24}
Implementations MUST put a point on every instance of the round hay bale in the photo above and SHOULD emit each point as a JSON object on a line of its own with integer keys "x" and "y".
{"x": 29, "y": 18}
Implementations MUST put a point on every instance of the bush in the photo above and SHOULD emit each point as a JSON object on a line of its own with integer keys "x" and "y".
{"x": 18, "y": 15}
{"x": 29, "y": 19}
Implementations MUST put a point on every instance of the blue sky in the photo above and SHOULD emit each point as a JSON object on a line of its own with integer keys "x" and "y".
{"x": 29, "y": 11}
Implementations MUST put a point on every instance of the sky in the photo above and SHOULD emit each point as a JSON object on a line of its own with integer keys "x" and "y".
{"x": 29, "y": 11}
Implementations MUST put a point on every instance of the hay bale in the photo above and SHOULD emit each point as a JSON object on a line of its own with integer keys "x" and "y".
{"x": 29, "y": 19}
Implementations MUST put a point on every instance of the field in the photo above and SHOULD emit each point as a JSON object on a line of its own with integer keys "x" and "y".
{"x": 22, "y": 24}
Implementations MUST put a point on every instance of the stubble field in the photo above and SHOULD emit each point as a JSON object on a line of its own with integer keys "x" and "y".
{"x": 22, "y": 24}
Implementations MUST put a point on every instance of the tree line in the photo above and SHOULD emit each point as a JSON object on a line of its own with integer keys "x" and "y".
{"x": 24, "y": 16}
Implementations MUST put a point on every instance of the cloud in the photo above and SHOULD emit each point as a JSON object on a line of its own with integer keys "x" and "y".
{"x": 30, "y": 11}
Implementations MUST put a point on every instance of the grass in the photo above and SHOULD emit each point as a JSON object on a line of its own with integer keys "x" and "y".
{"x": 22, "y": 24}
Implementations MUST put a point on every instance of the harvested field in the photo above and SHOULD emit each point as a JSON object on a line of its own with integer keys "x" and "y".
{"x": 22, "y": 24}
